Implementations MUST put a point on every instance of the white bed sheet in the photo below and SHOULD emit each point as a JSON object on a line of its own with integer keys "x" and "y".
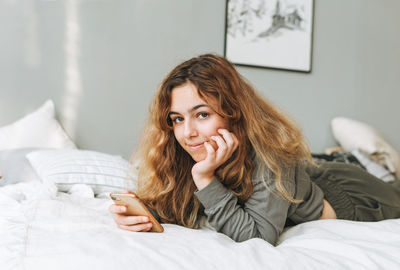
{"x": 43, "y": 229}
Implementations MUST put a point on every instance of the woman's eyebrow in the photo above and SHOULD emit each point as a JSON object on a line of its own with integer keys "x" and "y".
{"x": 191, "y": 110}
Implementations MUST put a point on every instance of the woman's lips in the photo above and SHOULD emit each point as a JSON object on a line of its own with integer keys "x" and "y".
{"x": 196, "y": 146}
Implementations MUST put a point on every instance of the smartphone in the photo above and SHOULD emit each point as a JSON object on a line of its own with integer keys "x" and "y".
{"x": 135, "y": 207}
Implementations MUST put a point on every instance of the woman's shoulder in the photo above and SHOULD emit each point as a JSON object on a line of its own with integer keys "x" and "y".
{"x": 287, "y": 169}
{"x": 289, "y": 173}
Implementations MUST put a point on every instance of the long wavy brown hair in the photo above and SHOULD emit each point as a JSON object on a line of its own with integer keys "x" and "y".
{"x": 165, "y": 180}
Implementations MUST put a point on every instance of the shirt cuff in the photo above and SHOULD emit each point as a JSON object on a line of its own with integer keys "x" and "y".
{"x": 212, "y": 194}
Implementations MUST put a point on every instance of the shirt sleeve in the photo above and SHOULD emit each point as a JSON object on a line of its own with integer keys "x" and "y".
{"x": 263, "y": 215}
{"x": 311, "y": 195}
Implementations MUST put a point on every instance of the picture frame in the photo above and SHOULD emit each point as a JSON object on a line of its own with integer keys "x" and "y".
{"x": 276, "y": 34}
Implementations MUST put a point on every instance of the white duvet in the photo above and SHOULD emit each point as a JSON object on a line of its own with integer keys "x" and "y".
{"x": 41, "y": 228}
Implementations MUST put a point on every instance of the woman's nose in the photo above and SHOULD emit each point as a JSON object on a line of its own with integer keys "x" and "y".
{"x": 190, "y": 129}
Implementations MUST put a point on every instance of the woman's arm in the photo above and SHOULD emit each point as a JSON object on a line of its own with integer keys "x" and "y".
{"x": 263, "y": 215}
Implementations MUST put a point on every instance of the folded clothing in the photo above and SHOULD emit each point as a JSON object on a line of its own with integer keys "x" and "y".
{"x": 358, "y": 158}
{"x": 373, "y": 167}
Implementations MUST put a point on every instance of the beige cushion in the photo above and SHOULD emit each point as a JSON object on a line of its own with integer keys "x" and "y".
{"x": 356, "y": 135}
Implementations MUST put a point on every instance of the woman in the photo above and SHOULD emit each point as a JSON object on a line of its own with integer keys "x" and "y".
{"x": 213, "y": 147}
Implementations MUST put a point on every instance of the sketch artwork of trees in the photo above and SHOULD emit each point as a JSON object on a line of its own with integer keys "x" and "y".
{"x": 270, "y": 33}
{"x": 274, "y": 15}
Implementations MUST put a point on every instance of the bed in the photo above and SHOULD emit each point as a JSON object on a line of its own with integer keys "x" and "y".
{"x": 54, "y": 215}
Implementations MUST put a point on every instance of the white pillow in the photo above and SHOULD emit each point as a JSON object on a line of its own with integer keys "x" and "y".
{"x": 38, "y": 129}
{"x": 355, "y": 135}
{"x": 67, "y": 167}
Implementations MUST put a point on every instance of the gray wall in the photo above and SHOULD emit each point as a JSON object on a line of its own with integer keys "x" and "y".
{"x": 101, "y": 61}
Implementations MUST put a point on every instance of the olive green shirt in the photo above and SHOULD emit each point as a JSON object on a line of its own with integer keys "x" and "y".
{"x": 265, "y": 213}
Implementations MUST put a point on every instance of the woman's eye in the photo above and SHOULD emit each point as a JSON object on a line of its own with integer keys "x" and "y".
{"x": 177, "y": 120}
{"x": 203, "y": 115}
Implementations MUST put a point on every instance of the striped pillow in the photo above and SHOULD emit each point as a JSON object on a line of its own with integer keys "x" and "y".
{"x": 68, "y": 167}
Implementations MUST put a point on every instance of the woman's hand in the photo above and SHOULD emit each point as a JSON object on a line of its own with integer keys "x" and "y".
{"x": 129, "y": 223}
{"x": 203, "y": 171}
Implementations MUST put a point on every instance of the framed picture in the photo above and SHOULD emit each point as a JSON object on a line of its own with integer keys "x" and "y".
{"x": 270, "y": 33}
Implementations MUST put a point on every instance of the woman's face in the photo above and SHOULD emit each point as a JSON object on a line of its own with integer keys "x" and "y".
{"x": 194, "y": 121}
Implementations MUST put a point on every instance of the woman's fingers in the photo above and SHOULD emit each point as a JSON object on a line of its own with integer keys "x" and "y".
{"x": 227, "y": 137}
{"x": 144, "y": 227}
{"x": 117, "y": 209}
{"x": 210, "y": 150}
{"x": 133, "y": 223}
{"x": 130, "y": 220}
{"x": 230, "y": 139}
{"x": 130, "y": 223}
{"x": 227, "y": 144}
{"x": 222, "y": 146}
